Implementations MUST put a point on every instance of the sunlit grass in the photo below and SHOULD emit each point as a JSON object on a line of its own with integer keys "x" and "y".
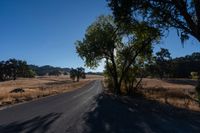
{"x": 38, "y": 87}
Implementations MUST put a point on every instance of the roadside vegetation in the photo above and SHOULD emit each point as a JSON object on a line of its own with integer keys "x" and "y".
{"x": 183, "y": 16}
{"x": 125, "y": 43}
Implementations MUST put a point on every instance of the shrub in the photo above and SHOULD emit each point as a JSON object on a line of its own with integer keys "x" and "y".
{"x": 194, "y": 75}
{"x": 17, "y": 90}
{"x": 198, "y": 90}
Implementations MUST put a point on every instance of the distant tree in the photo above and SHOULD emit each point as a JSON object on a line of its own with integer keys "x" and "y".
{"x": 31, "y": 73}
{"x": 181, "y": 67}
{"x": 185, "y": 65}
{"x": 163, "y": 62}
{"x": 194, "y": 75}
{"x": 55, "y": 73}
{"x": 80, "y": 73}
{"x": 73, "y": 74}
{"x": 23, "y": 70}
{"x": 65, "y": 73}
{"x": 83, "y": 75}
{"x": 2, "y": 72}
{"x": 12, "y": 68}
{"x": 77, "y": 74}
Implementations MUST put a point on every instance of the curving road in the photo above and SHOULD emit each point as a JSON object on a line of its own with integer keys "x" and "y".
{"x": 54, "y": 114}
{"x": 87, "y": 110}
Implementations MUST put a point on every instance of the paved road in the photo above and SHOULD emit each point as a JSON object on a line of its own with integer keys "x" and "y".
{"x": 87, "y": 110}
{"x": 55, "y": 114}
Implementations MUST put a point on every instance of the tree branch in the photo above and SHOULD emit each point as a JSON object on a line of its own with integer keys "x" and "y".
{"x": 182, "y": 7}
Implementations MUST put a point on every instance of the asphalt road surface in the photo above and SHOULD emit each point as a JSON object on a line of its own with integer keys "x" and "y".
{"x": 55, "y": 114}
{"x": 87, "y": 110}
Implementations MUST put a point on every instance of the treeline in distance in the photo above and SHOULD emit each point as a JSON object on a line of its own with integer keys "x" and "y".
{"x": 12, "y": 68}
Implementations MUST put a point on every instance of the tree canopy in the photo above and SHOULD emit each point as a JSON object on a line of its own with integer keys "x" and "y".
{"x": 12, "y": 68}
{"x": 164, "y": 66}
{"x": 120, "y": 50}
{"x": 77, "y": 73}
{"x": 182, "y": 15}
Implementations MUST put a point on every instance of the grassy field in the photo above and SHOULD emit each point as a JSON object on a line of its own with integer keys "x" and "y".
{"x": 38, "y": 87}
{"x": 177, "y": 92}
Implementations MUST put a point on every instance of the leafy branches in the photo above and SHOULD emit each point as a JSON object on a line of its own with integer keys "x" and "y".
{"x": 105, "y": 40}
{"x": 12, "y": 68}
{"x": 182, "y": 15}
{"x": 77, "y": 73}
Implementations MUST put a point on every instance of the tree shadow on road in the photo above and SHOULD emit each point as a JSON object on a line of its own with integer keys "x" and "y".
{"x": 40, "y": 124}
{"x": 118, "y": 115}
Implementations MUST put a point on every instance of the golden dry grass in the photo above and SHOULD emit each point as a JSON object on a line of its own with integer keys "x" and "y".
{"x": 178, "y": 92}
{"x": 39, "y": 87}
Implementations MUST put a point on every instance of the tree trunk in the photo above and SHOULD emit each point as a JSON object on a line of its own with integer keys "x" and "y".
{"x": 198, "y": 87}
{"x": 117, "y": 83}
{"x": 77, "y": 78}
{"x": 116, "y": 86}
{"x": 118, "y": 89}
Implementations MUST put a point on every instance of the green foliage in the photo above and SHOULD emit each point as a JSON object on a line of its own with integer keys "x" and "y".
{"x": 163, "y": 63}
{"x": 175, "y": 68}
{"x": 80, "y": 73}
{"x": 183, "y": 66}
{"x": 130, "y": 79}
{"x": 98, "y": 42}
{"x": 182, "y": 15}
{"x": 163, "y": 55}
{"x": 12, "y": 68}
{"x": 120, "y": 48}
{"x": 65, "y": 73}
{"x": 77, "y": 73}
{"x": 198, "y": 90}
{"x": 194, "y": 75}
{"x": 73, "y": 74}
{"x": 32, "y": 73}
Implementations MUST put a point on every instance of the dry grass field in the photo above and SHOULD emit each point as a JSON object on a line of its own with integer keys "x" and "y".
{"x": 177, "y": 92}
{"x": 38, "y": 87}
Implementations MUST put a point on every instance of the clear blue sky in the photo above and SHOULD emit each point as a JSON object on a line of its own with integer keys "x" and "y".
{"x": 43, "y": 32}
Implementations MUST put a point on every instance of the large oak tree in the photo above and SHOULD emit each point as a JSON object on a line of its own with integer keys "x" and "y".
{"x": 120, "y": 50}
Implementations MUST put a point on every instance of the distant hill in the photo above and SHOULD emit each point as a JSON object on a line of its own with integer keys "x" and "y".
{"x": 45, "y": 70}
{"x": 95, "y": 73}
